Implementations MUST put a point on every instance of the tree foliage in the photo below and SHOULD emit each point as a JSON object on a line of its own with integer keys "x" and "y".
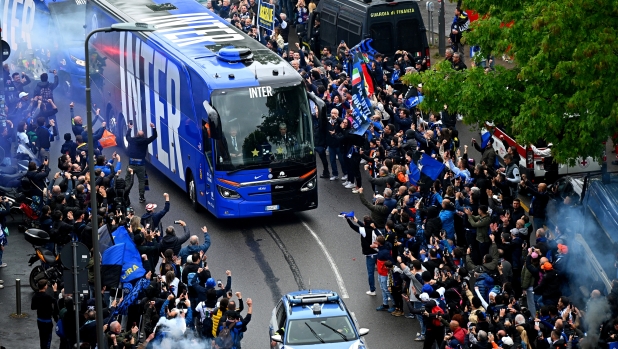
{"x": 563, "y": 88}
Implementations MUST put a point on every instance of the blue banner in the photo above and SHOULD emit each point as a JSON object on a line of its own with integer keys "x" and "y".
{"x": 361, "y": 104}
{"x": 266, "y": 15}
{"x": 431, "y": 167}
{"x": 132, "y": 262}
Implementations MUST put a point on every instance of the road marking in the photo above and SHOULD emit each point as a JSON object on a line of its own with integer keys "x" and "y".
{"x": 331, "y": 261}
{"x": 524, "y": 206}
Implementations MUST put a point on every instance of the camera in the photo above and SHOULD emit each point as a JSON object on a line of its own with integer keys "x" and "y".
{"x": 176, "y": 222}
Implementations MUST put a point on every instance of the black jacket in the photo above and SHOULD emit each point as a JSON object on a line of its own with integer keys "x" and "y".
{"x": 366, "y": 235}
{"x": 174, "y": 242}
{"x": 37, "y": 180}
{"x": 138, "y": 146}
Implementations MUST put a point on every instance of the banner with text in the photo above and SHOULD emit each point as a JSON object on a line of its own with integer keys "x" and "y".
{"x": 266, "y": 18}
{"x": 362, "y": 86}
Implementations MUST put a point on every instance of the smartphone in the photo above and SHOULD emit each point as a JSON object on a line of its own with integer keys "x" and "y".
{"x": 343, "y": 41}
{"x": 219, "y": 282}
{"x": 46, "y": 158}
{"x": 536, "y": 323}
{"x": 130, "y": 122}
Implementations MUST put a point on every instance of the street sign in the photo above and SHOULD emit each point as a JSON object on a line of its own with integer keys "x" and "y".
{"x": 82, "y": 253}
{"x": 6, "y": 50}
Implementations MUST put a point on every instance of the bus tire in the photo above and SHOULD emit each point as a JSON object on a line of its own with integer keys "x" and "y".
{"x": 192, "y": 190}
{"x": 121, "y": 131}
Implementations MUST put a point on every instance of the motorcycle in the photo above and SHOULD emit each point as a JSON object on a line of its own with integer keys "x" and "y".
{"x": 51, "y": 267}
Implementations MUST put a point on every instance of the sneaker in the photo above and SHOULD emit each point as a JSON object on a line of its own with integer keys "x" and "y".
{"x": 345, "y": 183}
{"x": 350, "y": 185}
{"x": 142, "y": 199}
{"x": 333, "y": 178}
{"x": 382, "y": 308}
{"x": 391, "y": 310}
{"x": 371, "y": 293}
{"x": 355, "y": 191}
{"x": 419, "y": 338}
{"x": 324, "y": 176}
{"x": 397, "y": 313}
{"x": 1, "y": 287}
{"x": 2, "y": 281}
{"x": 410, "y": 316}
{"x": 344, "y": 178}
{"x": 3, "y": 265}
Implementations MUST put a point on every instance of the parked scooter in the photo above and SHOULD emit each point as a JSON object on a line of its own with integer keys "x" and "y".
{"x": 50, "y": 267}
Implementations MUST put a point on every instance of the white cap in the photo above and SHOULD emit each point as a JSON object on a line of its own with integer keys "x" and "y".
{"x": 424, "y": 297}
{"x": 507, "y": 340}
{"x": 23, "y": 94}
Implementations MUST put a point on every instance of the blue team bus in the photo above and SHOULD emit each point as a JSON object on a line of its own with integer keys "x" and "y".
{"x": 233, "y": 118}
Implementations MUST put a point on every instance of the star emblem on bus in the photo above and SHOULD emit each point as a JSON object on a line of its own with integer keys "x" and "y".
{"x": 280, "y": 150}
{"x": 255, "y": 152}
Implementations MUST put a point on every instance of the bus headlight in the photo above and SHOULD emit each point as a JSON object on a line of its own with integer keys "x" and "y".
{"x": 228, "y": 193}
{"x": 309, "y": 185}
{"x": 78, "y": 61}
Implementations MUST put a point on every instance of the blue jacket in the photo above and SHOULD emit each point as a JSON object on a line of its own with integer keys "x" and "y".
{"x": 485, "y": 283}
{"x": 191, "y": 249}
{"x": 447, "y": 216}
{"x": 156, "y": 216}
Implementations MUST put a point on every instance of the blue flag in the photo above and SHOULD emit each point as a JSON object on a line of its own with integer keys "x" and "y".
{"x": 347, "y": 214}
{"x": 414, "y": 101}
{"x": 132, "y": 261}
{"x": 431, "y": 167}
{"x": 414, "y": 175}
{"x": 485, "y": 137}
{"x": 111, "y": 266}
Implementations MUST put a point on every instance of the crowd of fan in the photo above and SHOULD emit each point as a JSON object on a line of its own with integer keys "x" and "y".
{"x": 177, "y": 300}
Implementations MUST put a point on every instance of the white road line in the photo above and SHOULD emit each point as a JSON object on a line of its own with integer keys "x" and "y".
{"x": 331, "y": 261}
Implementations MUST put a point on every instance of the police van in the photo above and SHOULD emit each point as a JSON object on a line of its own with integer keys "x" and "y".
{"x": 394, "y": 25}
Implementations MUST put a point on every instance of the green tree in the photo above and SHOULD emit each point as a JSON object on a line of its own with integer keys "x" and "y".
{"x": 563, "y": 88}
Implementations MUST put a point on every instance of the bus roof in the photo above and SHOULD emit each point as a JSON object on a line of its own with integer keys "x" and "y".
{"x": 195, "y": 35}
{"x": 365, "y": 7}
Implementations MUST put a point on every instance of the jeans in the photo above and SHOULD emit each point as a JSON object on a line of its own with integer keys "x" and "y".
{"x": 322, "y": 153}
{"x": 140, "y": 172}
{"x": 45, "y": 333}
{"x": 334, "y": 153}
{"x": 384, "y": 287}
{"x": 418, "y": 305}
{"x": 371, "y": 267}
{"x": 289, "y": 9}
{"x": 530, "y": 299}
{"x": 1, "y": 252}
{"x": 6, "y": 161}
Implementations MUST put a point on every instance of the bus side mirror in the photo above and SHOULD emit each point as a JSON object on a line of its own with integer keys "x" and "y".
{"x": 214, "y": 121}
{"x": 318, "y": 101}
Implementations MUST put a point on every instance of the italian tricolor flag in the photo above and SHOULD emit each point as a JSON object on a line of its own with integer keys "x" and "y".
{"x": 356, "y": 78}
{"x": 368, "y": 80}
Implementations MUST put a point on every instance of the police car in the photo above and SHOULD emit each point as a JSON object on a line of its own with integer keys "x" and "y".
{"x": 316, "y": 319}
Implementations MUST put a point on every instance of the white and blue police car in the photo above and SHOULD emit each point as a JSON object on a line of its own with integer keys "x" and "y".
{"x": 316, "y": 319}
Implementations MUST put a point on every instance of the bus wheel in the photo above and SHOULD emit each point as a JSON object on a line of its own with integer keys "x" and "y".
{"x": 121, "y": 131}
{"x": 193, "y": 193}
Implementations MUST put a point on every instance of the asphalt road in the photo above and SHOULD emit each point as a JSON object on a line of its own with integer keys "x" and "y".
{"x": 267, "y": 258}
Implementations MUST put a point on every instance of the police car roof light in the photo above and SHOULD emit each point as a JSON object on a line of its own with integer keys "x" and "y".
{"x": 313, "y": 298}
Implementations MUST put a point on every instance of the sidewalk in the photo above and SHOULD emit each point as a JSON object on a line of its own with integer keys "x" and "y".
{"x": 18, "y": 333}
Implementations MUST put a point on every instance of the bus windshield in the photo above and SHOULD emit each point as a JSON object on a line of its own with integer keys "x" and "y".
{"x": 263, "y": 126}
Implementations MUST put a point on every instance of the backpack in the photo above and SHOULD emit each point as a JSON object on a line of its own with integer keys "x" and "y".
{"x": 437, "y": 310}
{"x": 207, "y": 323}
{"x": 225, "y": 340}
{"x": 60, "y": 329}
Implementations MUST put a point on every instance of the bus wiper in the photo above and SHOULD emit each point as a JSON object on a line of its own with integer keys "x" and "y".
{"x": 345, "y": 338}
{"x": 258, "y": 165}
{"x": 315, "y": 334}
